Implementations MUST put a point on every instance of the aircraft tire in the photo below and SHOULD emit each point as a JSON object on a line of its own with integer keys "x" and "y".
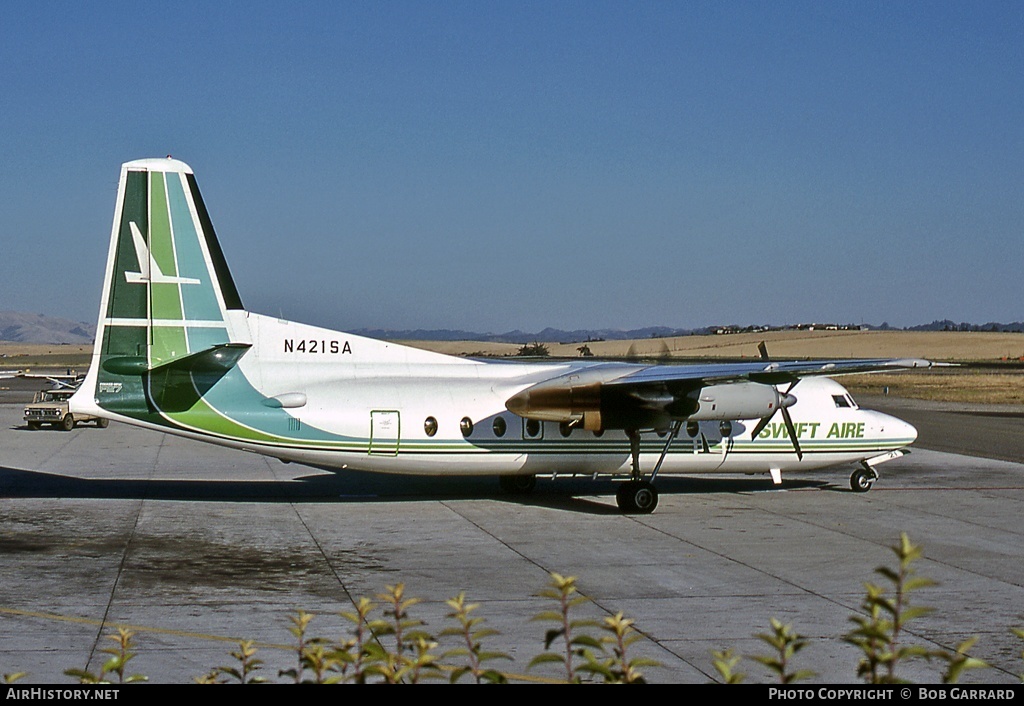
{"x": 68, "y": 423}
{"x": 102, "y": 423}
{"x": 637, "y": 498}
{"x": 861, "y": 481}
{"x": 518, "y": 485}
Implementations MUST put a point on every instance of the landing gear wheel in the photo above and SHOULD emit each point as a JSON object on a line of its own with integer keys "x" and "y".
{"x": 862, "y": 480}
{"x": 68, "y": 423}
{"x": 518, "y": 485}
{"x": 102, "y": 423}
{"x": 637, "y": 497}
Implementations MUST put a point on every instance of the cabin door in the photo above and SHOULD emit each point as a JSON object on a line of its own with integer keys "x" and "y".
{"x": 384, "y": 430}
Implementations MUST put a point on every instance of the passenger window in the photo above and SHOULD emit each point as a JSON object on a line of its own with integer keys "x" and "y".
{"x": 532, "y": 429}
{"x": 499, "y": 426}
{"x": 565, "y": 428}
{"x": 430, "y": 426}
{"x": 466, "y": 425}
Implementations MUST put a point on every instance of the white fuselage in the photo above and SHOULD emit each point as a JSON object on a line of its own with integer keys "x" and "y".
{"x": 358, "y": 403}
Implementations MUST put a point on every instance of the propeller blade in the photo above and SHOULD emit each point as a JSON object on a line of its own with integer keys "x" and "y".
{"x": 762, "y": 424}
{"x": 792, "y": 433}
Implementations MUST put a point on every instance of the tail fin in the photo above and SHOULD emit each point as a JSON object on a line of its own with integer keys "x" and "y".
{"x": 167, "y": 291}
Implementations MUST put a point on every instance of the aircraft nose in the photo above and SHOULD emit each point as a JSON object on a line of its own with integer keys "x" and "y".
{"x": 896, "y": 428}
{"x": 911, "y": 430}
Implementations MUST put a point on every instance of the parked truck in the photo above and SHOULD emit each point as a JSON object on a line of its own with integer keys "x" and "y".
{"x": 51, "y": 407}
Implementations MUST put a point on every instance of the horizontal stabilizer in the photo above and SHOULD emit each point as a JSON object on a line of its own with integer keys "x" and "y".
{"x": 218, "y": 360}
{"x": 179, "y": 384}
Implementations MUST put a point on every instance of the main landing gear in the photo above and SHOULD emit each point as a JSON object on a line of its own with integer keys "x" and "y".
{"x": 638, "y": 496}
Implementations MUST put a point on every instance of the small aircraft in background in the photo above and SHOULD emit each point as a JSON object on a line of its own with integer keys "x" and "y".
{"x": 69, "y": 381}
{"x": 177, "y": 352}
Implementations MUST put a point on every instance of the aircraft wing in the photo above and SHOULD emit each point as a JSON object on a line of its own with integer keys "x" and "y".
{"x": 623, "y": 396}
{"x": 771, "y": 373}
{"x": 70, "y": 381}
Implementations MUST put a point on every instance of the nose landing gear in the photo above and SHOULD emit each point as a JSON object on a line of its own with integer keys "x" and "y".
{"x": 863, "y": 478}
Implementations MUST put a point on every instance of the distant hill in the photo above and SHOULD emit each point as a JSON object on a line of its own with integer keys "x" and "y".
{"x": 22, "y": 327}
{"x": 37, "y": 328}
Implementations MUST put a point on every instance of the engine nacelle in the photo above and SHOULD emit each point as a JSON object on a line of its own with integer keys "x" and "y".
{"x": 596, "y": 406}
{"x": 737, "y": 400}
{"x": 562, "y": 403}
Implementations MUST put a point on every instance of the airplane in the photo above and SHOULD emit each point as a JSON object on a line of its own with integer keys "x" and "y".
{"x": 177, "y": 352}
{"x": 68, "y": 381}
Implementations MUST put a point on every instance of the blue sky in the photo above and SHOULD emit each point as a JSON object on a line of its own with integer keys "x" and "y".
{"x": 498, "y": 165}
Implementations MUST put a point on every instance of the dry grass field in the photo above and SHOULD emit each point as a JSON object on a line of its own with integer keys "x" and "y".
{"x": 934, "y": 345}
{"x": 26, "y": 356}
{"x": 967, "y": 387}
{"x": 1000, "y": 381}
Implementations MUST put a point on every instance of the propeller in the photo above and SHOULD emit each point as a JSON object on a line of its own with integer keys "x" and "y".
{"x": 785, "y": 401}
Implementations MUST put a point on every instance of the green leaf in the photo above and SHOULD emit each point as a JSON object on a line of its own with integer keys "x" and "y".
{"x": 545, "y": 658}
{"x": 552, "y": 635}
{"x": 587, "y": 641}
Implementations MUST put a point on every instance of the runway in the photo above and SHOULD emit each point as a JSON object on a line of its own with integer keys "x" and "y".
{"x": 195, "y": 546}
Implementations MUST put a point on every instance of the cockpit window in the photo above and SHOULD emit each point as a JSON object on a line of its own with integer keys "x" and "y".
{"x": 841, "y": 401}
{"x": 850, "y": 400}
